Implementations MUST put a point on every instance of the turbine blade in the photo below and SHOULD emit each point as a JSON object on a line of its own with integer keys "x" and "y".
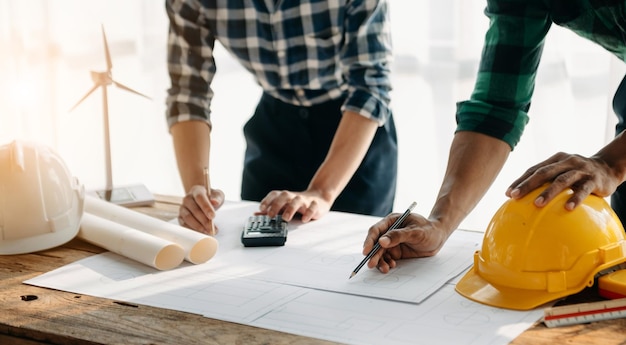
{"x": 106, "y": 51}
{"x": 85, "y": 96}
{"x": 129, "y": 89}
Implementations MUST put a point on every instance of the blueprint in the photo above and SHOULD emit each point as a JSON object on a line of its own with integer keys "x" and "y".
{"x": 303, "y": 287}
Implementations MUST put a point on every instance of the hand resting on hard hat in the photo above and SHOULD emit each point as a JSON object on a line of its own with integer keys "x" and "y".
{"x": 583, "y": 175}
{"x": 197, "y": 210}
{"x": 416, "y": 237}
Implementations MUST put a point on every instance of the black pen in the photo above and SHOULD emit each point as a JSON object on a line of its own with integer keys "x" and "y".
{"x": 377, "y": 245}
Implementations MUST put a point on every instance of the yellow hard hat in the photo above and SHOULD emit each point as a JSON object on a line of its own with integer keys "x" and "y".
{"x": 531, "y": 255}
{"x": 41, "y": 204}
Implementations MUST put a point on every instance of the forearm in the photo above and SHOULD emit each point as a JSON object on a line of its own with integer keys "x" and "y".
{"x": 350, "y": 144}
{"x": 614, "y": 155}
{"x": 475, "y": 161}
{"x": 192, "y": 143}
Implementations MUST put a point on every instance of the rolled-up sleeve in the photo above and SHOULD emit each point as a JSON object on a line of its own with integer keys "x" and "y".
{"x": 499, "y": 104}
{"x": 190, "y": 64}
{"x": 365, "y": 59}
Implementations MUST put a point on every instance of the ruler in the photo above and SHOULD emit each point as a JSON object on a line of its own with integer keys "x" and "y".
{"x": 584, "y": 312}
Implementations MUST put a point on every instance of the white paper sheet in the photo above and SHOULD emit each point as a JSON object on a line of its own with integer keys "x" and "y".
{"x": 303, "y": 287}
{"x": 322, "y": 254}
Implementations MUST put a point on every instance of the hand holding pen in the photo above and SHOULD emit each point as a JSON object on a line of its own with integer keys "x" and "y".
{"x": 376, "y": 247}
{"x": 198, "y": 207}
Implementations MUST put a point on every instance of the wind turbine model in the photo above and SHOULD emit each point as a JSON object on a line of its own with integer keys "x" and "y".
{"x": 134, "y": 195}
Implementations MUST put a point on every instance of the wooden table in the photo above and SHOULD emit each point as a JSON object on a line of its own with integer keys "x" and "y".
{"x": 34, "y": 315}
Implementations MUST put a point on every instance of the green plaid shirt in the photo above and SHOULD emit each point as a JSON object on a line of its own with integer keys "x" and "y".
{"x": 499, "y": 104}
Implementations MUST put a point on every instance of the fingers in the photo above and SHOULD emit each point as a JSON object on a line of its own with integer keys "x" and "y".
{"x": 270, "y": 204}
{"x": 204, "y": 205}
{"x": 197, "y": 211}
{"x": 389, "y": 263}
{"x": 288, "y": 204}
{"x": 308, "y": 213}
{"x": 583, "y": 175}
{"x": 376, "y": 230}
{"x": 536, "y": 176}
{"x": 385, "y": 259}
{"x": 416, "y": 237}
{"x": 385, "y": 264}
{"x": 560, "y": 183}
{"x": 374, "y": 236}
{"x": 191, "y": 217}
{"x": 576, "y": 199}
{"x": 217, "y": 198}
{"x": 582, "y": 189}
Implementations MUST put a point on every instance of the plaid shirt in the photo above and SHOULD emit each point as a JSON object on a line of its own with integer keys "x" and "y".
{"x": 513, "y": 45}
{"x": 301, "y": 52}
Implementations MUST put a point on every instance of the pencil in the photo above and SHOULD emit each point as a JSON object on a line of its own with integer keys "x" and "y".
{"x": 206, "y": 180}
{"x": 208, "y": 192}
{"x": 377, "y": 245}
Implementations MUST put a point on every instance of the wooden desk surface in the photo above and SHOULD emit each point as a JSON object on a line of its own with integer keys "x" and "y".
{"x": 58, "y": 317}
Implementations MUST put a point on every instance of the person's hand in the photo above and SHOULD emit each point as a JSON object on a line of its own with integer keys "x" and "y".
{"x": 308, "y": 204}
{"x": 197, "y": 210}
{"x": 583, "y": 175}
{"x": 416, "y": 237}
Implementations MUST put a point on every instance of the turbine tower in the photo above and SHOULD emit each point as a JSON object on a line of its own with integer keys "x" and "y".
{"x": 135, "y": 195}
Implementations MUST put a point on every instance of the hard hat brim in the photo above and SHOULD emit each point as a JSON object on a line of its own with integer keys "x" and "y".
{"x": 38, "y": 243}
{"x": 475, "y": 288}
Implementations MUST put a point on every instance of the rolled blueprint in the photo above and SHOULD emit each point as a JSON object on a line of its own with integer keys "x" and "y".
{"x": 131, "y": 243}
{"x": 198, "y": 247}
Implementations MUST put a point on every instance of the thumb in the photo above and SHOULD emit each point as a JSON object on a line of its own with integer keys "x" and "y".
{"x": 384, "y": 241}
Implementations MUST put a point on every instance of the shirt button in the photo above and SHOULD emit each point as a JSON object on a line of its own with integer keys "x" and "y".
{"x": 300, "y": 92}
{"x": 304, "y": 114}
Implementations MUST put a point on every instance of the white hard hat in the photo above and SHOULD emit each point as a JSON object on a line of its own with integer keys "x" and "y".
{"x": 41, "y": 204}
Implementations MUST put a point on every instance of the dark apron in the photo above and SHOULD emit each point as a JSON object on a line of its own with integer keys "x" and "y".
{"x": 286, "y": 144}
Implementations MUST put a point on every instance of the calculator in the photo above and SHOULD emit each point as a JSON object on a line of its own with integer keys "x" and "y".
{"x": 262, "y": 231}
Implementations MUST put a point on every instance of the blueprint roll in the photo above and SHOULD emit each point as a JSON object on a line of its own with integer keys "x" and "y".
{"x": 131, "y": 243}
{"x": 199, "y": 248}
